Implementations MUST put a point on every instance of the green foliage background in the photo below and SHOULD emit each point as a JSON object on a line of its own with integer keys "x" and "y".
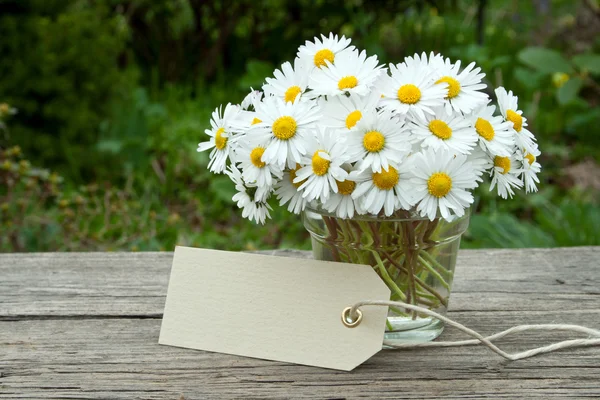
{"x": 112, "y": 97}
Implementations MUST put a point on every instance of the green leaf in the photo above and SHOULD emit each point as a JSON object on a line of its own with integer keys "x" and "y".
{"x": 568, "y": 92}
{"x": 545, "y": 60}
{"x": 256, "y": 71}
{"x": 110, "y": 146}
{"x": 506, "y": 231}
{"x": 528, "y": 78}
{"x": 589, "y": 62}
{"x": 223, "y": 188}
{"x": 582, "y": 119}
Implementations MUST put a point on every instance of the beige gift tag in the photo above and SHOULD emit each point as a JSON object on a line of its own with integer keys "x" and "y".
{"x": 276, "y": 308}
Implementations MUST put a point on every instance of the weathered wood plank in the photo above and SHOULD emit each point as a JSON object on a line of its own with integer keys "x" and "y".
{"x": 100, "y": 358}
{"x": 85, "y": 326}
{"x": 135, "y": 284}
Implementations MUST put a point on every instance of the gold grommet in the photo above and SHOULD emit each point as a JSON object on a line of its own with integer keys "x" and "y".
{"x": 346, "y": 320}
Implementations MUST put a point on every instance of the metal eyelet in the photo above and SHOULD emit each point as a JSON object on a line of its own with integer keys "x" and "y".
{"x": 349, "y": 322}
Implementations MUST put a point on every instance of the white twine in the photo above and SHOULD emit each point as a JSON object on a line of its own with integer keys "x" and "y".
{"x": 592, "y": 340}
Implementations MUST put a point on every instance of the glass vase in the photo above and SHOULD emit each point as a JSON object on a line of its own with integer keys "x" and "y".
{"x": 414, "y": 256}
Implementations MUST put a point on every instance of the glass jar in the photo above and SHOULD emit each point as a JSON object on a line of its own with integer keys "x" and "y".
{"x": 414, "y": 256}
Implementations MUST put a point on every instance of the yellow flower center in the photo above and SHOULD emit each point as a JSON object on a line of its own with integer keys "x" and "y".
{"x": 256, "y": 157}
{"x": 320, "y": 166}
{"x": 440, "y": 129}
{"x": 386, "y": 180}
{"x": 453, "y": 86}
{"x": 484, "y": 129}
{"x": 347, "y": 82}
{"x": 559, "y": 79}
{"x": 323, "y": 55}
{"x": 293, "y": 176}
{"x": 502, "y": 162}
{"x": 373, "y": 141}
{"x": 346, "y": 187}
{"x": 291, "y": 93}
{"x": 516, "y": 119}
{"x": 439, "y": 184}
{"x": 284, "y": 128}
{"x": 409, "y": 94}
{"x": 255, "y": 121}
{"x": 353, "y": 118}
{"x": 220, "y": 140}
{"x": 530, "y": 158}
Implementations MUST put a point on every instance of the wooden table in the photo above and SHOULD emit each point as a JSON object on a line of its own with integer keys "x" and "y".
{"x": 85, "y": 326}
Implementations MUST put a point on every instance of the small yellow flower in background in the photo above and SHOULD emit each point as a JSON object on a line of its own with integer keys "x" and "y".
{"x": 567, "y": 21}
{"x": 173, "y": 219}
{"x": 559, "y": 79}
{"x": 54, "y": 178}
{"x": 24, "y": 165}
{"x": 6, "y": 109}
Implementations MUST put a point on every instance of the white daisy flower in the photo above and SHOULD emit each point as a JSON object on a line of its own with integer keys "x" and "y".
{"x": 248, "y": 156}
{"x": 463, "y": 93}
{"x": 352, "y": 73}
{"x": 495, "y": 135}
{"x": 220, "y": 132}
{"x": 530, "y": 168}
{"x": 411, "y": 88}
{"x": 256, "y": 211}
{"x": 251, "y": 199}
{"x": 343, "y": 112}
{"x": 317, "y": 53}
{"x": 249, "y": 102}
{"x": 378, "y": 140}
{"x": 240, "y": 125}
{"x": 441, "y": 130}
{"x": 342, "y": 202}
{"x": 441, "y": 182}
{"x": 481, "y": 162}
{"x": 436, "y": 61}
{"x": 247, "y": 192}
{"x": 505, "y": 175}
{"x": 321, "y": 171}
{"x": 386, "y": 190}
{"x": 509, "y": 108}
{"x": 287, "y": 191}
{"x": 290, "y": 83}
{"x": 285, "y": 128}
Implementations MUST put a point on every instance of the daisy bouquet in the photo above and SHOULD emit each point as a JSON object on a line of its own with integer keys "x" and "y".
{"x": 386, "y": 158}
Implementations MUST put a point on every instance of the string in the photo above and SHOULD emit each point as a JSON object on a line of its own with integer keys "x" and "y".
{"x": 592, "y": 340}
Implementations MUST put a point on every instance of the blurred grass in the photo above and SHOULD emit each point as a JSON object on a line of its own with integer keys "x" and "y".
{"x": 113, "y": 97}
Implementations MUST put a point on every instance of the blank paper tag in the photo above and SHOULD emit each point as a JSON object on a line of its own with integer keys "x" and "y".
{"x": 276, "y": 308}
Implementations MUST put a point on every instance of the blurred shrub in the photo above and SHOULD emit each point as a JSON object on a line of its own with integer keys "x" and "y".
{"x": 62, "y": 67}
{"x": 567, "y": 91}
{"x": 115, "y": 95}
{"x": 571, "y": 223}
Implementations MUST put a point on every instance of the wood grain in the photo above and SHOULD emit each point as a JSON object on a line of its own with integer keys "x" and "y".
{"x": 86, "y": 325}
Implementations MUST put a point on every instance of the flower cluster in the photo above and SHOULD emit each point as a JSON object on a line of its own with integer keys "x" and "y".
{"x": 340, "y": 132}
